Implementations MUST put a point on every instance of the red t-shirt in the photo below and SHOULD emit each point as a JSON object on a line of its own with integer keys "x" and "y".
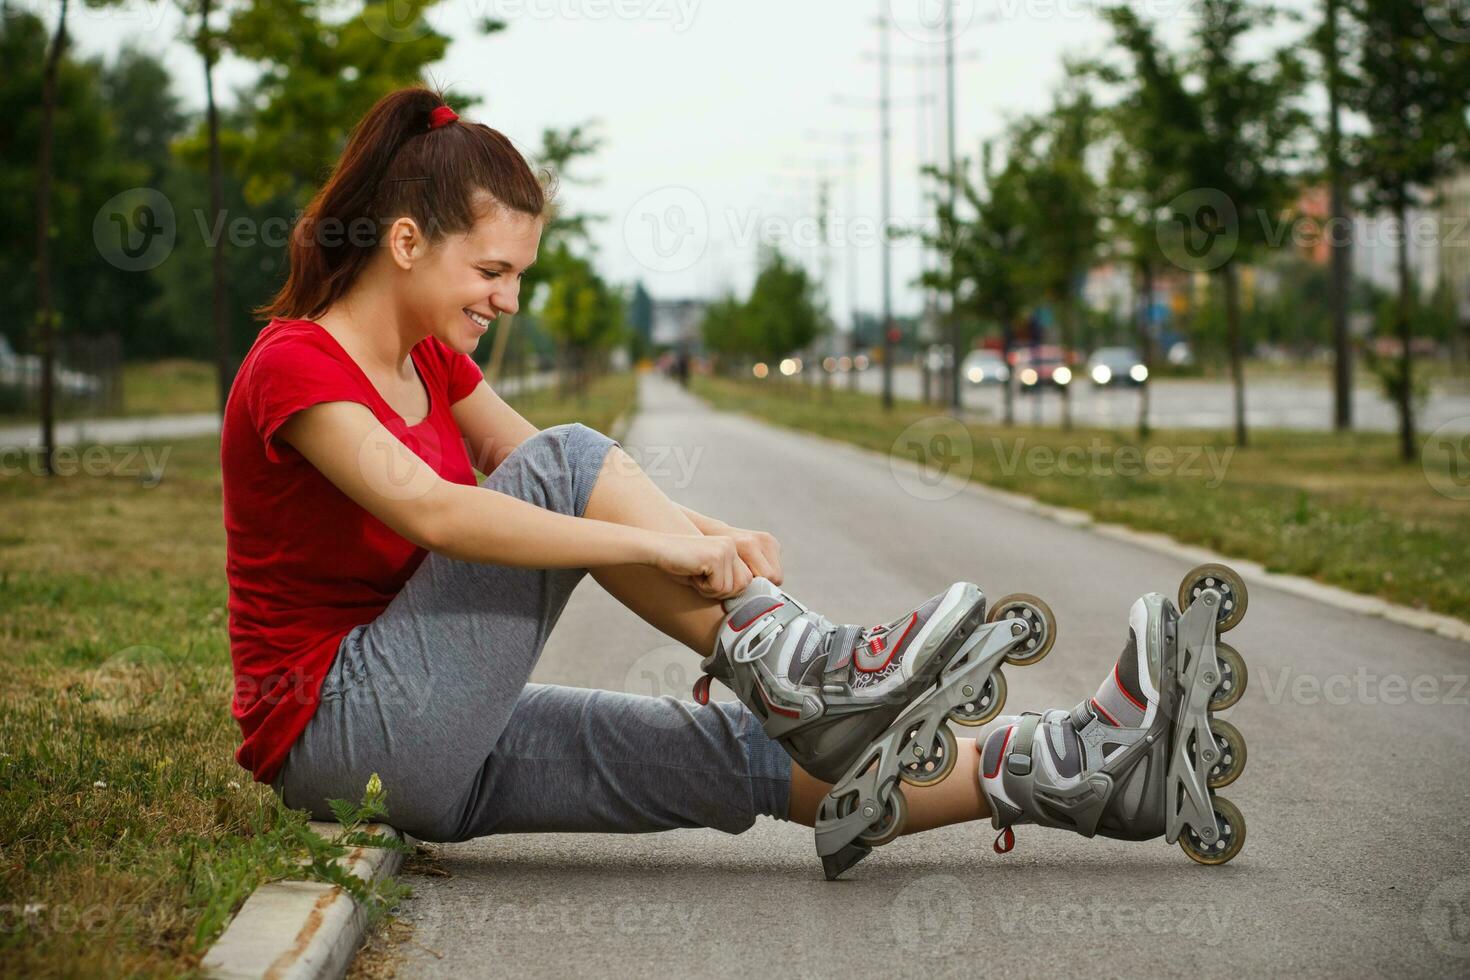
{"x": 305, "y": 563}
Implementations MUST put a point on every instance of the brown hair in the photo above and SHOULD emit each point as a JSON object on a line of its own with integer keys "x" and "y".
{"x": 396, "y": 166}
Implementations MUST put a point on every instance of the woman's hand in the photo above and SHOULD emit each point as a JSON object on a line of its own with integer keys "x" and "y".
{"x": 710, "y": 564}
{"x": 760, "y": 550}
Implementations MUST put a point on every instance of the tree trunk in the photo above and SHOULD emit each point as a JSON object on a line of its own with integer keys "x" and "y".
{"x": 1341, "y": 253}
{"x": 1232, "y": 334}
{"x": 1146, "y": 346}
{"x": 45, "y": 316}
{"x": 1007, "y": 342}
{"x": 224, "y": 368}
{"x": 1066, "y": 309}
{"x": 1406, "y": 362}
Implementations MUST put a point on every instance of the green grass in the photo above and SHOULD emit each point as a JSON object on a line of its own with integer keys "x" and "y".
{"x": 1339, "y": 509}
{"x": 116, "y": 672}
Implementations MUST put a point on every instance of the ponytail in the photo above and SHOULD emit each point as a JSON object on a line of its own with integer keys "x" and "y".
{"x": 410, "y": 156}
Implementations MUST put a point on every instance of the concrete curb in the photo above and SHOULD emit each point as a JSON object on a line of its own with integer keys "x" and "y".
{"x": 301, "y": 930}
{"x": 1431, "y": 622}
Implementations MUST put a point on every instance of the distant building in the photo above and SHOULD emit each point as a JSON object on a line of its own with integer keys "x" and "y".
{"x": 676, "y": 323}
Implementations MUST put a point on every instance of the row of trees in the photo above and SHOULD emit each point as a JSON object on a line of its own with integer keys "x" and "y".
{"x": 210, "y": 196}
{"x": 1191, "y": 158}
{"x": 781, "y": 315}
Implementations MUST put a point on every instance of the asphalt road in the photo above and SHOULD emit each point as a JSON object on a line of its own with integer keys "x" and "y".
{"x": 1355, "y": 794}
{"x": 1273, "y": 403}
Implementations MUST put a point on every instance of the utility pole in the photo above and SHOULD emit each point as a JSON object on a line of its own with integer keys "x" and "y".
{"x": 951, "y": 313}
{"x": 885, "y": 136}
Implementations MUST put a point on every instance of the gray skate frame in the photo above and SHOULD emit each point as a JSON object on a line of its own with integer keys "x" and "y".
{"x": 874, "y": 775}
{"x": 1188, "y": 646}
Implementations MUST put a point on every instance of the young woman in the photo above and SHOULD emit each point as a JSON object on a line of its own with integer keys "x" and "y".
{"x": 386, "y": 611}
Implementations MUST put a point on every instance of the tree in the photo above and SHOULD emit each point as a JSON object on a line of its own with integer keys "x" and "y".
{"x": 582, "y": 313}
{"x": 783, "y": 311}
{"x": 1410, "y": 84}
{"x": 1225, "y": 127}
{"x": 1061, "y": 198}
{"x": 985, "y": 227}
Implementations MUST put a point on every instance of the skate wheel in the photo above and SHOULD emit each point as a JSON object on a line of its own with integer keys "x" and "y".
{"x": 1233, "y": 677}
{"x": 886, "y": 828}
{"x": 934, "y": 766}
{"x": 701, "y": 689}
{"x": 1234, "y": 597}
{"x": 985, "y": 707}
{"x": 1232, "y": 836}
{"x": 1231, "y": 764}
{"x": 1040, "y": 621}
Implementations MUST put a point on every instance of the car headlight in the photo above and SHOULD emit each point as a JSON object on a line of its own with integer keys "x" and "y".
{"x": 1062, "y": 375}
{"x": 976, "y": 375}
{"x": 1138, "y": 373}
{"x": 1028, "y": 376}
{"x": 1102, "y": 374}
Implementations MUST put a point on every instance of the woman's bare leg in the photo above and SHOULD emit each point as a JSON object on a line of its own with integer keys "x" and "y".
{"x": 624, "y": 494}
{"x": 955, "y": 800}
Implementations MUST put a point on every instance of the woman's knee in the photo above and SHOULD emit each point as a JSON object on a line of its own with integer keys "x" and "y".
{"x": 555, "y": 468}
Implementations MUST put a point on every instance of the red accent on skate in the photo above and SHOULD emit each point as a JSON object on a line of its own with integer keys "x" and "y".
{"x": 701, "y": 689}
{"x": 1119, "y": 682}
{"x": 1005, "y": 841}
{"x": 788, "y": 712}
{"x": 1001, "y": 759}
{"x": 913, "y": 618}
{"x": 1111, "y": 720}
{"x": 755, "y": 617}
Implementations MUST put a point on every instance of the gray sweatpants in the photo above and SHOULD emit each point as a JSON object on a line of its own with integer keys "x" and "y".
{"x": 433, "y": 696}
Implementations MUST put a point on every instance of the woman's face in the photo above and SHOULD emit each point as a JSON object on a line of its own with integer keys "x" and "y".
{"x": 466, "y": 280}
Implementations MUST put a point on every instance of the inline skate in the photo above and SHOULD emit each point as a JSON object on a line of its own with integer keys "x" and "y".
{"x": 864, "y": 707}
{"x": 1144, "y": 755}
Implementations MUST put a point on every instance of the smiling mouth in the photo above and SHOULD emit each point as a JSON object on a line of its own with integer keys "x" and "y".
{"x": 483, "y": 322}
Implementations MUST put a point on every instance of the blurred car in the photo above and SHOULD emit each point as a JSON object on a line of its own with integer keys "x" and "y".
{"x": 1044, "y": 366}
{"x": 985, "y": 367}
{"x": 1116, "y": 366}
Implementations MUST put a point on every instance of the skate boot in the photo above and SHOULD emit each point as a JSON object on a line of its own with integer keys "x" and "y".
{"x": 864, "y": 707}
{"x": 1142, "y": 757}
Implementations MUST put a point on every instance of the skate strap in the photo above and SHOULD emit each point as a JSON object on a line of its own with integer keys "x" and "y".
{"x": 1018, "y": 760}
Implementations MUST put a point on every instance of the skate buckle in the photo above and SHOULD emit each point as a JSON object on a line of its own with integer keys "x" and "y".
{"x": 701, "y": 689}
{"x": 1004, "y": 841}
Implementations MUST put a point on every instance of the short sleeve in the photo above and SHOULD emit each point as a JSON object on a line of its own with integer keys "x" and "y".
{"x": 287, "y": 377}
{"x": 462, "y": 373}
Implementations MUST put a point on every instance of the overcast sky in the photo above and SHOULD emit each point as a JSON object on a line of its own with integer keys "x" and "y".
{"x": 718, "y": 115}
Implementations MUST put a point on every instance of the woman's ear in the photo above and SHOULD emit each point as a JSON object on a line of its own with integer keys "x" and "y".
{"x": 406, "y": 243}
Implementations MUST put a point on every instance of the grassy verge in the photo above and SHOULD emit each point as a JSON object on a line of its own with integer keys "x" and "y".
{"x": 1340, "y": 509}
{"x": 128, "y": 835}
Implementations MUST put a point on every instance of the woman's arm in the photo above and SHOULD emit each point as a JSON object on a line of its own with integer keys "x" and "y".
{"x": 491, "y": 428}
{"x": 372, "y": 467}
